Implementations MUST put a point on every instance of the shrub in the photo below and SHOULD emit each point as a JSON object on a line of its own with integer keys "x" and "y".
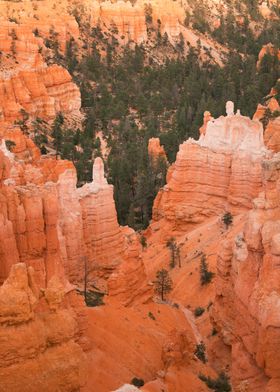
{"x": 220, "y": 384}
{"x": 198, "y": 311}
{"x": 137, "y": 382}
{"x": 92, "y": 298}
{"x": 214, "y": 331}
{"x": 36, "y": 32}
{"x": 227, "y": 219}
{"x": 10, "y": 144}
{"x": 150, "y": 314}
{"x": 143, "y": 241}
{"x": 200, "y": 352}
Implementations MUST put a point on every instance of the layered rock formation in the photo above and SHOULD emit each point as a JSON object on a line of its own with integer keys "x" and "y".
{"x": 41, "y": 92}
{"x": 54, "y": 227}
{"x": 155, "y": 149}
{"x": 56, "y": 231}
{"x": 37, "y": 335}
{"x": 206, "y": 118}
{"x": 220, "y": 171}
{"x": 27, "y": 83}
{"x": 247, "y": 301}
{"x": 269, "y": 113}
{"x": 272, "y": 135}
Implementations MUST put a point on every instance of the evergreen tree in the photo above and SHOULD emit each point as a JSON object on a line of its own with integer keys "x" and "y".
{"x": 171, "y": 244}
{"x": 227, "y": 219}
{"x": 200, "y": 352}
{"x": 163, "y": 283}
{"x": 23, "y": 123}
{"x": 57, "y": 132}
{"x": 205, "y": 275}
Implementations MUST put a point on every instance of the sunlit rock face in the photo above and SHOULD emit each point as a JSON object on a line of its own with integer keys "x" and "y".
{"x": 101, "y": 231}
{"x": 41, "y": 91}
{"x": 59, "y": 230}
{"x": 220, "y": 171}
{"x": 246, "y": 309}
{"x": 156, "y": 150}
{"x": 37, "y": 335}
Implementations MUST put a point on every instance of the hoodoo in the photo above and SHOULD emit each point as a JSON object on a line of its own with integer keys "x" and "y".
{"x": 139, "y": 208}
{"x": 220, "y": 171}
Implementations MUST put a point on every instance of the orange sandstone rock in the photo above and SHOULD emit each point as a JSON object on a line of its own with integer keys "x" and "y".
{"x": 248, "y": 291}
{"x": 37, "y": 347}
{"x": 219, "y": 171}
{"x": 41, "y": 92}
{"x": 155, "y": 150}
{"x": 206, "y": 118}
{"x": 272, "y": 135}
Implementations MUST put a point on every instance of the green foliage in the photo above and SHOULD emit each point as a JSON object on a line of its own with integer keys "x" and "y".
{"x": 93, "y": 298}
{"x": 220, "y": 384}
{"x": 199, "y": 19}
{"x": 23, "y": 123}
{"x": 57, "y": 132}
{"x": 129, "y": 98}
{"x": 143, "y": 241}
{"x": 10, "y": 145}
{"x": 175, "y": 256}
{"x": 200, "y": 352}
{"x": 214, "y": 332}
{"x": 227, "y": 219}
{"x": 52, "y": 42}
{"x": 148, "y": 14}
{"x": 199, "y": 311}
{"x": 39, "y": 128}
{"x": 171, "y": 244}
{"x": 150, "y": 314}
{"x": 36, "y": 32}
{"x": 163, "y": 283}
{"x": 205, "y": 275}
{"x": 137, "y": 382}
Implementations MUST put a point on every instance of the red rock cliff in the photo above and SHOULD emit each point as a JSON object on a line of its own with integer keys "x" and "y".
{"x": 222, "y": 170}
{"x": 246, "y": 308}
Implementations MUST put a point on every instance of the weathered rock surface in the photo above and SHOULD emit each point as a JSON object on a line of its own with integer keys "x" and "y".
{"x": 147, "y": 345}
{"x": 246, "y": 308}
{"x": 155, "y": 149}
{"x": 37, "y": 335}
{"x": 41, "y": 92}
{"x": 222, "y": 170}
{"x": 272, "y": 135}
{"x": 58, "y": 229}
{"x": 206, "y": 118}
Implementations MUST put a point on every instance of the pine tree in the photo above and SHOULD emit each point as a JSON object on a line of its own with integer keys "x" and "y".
{"x": 57, "y": 132}
{"x": 205, "y": 275}
{"x": 163, "y": 283}
{"x": 171, "y": 244}
{"x": 200, "y": 352}
{"x": 23, "y": 122}
{"x": 227, "y": 219}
